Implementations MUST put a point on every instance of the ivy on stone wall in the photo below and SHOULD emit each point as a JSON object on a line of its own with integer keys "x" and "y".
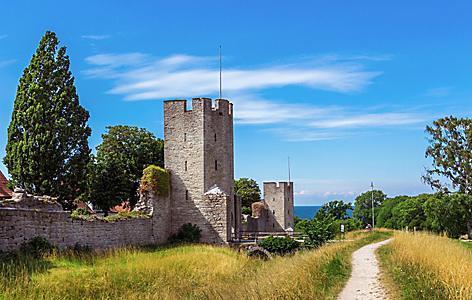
{"x": 155, "y": 179}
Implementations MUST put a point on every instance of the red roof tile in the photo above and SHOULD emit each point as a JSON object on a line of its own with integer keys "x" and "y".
{"x": 4, "y": 191}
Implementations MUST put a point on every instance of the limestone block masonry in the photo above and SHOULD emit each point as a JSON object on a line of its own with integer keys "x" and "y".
{"x": 19, "y": 224}
{"x": 198, "y": 153}
{"x": 278, "y": 197}
{"x": 276, "y": 212}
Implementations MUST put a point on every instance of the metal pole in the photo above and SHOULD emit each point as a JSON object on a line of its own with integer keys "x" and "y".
{"x": 289, "y": 170}
{"x": 373, "y": 211}
{"x": 220, "y": 72}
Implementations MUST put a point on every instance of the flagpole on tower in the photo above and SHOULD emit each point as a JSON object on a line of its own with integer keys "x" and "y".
{"x": 220, "y": 71}
{"x": 288, "y": 170}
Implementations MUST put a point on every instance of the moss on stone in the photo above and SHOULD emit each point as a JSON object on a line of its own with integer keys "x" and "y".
{"x": 155, "y": 179}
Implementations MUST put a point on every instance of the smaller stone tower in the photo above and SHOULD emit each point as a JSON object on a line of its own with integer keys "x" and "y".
{"x": 278, "y": 197}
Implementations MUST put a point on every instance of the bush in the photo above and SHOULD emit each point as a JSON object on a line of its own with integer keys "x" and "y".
{"x": 80, "y": 213}
{"x": 246, "y": 210}
{"x": 349, "y": 225}
{"x": 125, "y": 215}
{"x": 155, "y": 179}
{"x": 279, "y": 245}
{"x": 37, "y": 247}
{"x": 318, "y": 231}
{"x": 188, "y": 233}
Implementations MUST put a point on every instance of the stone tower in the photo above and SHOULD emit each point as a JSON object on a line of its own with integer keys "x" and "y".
{"x": 278, "y": 197}
{"x": 198, "y": 152}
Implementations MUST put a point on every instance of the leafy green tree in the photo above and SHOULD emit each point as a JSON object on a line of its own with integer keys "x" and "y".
{"x": 410, "y": 213}
{"x": 107, "y": 183}
{"x": 363, "y": 205}
{"x": 121, "y": 158}
{"x": 451, "y": 150}
{"x": 449, "y": 213}
{"x": 385, "y": 217}
{"x": 317, "y": 231}
{"x": 248, "y": 190}
{"x": 47, "y": 149}
{"x": 336, "y": 209}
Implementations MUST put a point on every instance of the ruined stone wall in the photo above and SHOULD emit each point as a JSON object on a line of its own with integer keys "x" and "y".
{"x": 198, "y": 152}
{"x": 19, "y": 224}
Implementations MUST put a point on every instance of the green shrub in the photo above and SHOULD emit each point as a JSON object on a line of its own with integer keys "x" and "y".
{"x": 80, "y": 213}
{"x": 349, "y": 225}
{"x": 188, "y": 233}
{"x": 246, "y": 210}
{"x": 37, "y": 247}
{"x": 125, "y": 215}
{"x": 155, "y": 179}
{"x": 279, "y": 245}
{"x": 318, "y": 231}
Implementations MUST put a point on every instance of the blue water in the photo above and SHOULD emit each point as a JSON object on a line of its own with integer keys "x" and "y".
{"x": 306, "y": 212}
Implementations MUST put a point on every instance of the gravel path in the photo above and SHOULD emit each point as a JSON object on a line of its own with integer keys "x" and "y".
{"x": 365, "y": 282}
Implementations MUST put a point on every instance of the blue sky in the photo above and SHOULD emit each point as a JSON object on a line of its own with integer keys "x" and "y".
{"x": 345, "y": 88}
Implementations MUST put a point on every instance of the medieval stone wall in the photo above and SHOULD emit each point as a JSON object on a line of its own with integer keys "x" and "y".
{"x": 198, "y": 153}
{"x": 19, "y": 224}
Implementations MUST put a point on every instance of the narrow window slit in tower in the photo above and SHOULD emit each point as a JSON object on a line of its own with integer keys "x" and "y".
{"x": 215, "y": 137}
{"x": 216, "y": 165}
{"x": 186, "y": 194}
{"x": 185, "y": 137}
{"x": 185, "y": 165}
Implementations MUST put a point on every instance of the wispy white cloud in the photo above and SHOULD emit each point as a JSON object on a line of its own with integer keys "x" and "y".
{"x": 370, "y": 120}
{"x": 96, "y": 37}
{"x": 438, "y": 92}
{"x": 139, "y": 76}
{"x": 4, "y": 63}
{"x": 185, "y": 76}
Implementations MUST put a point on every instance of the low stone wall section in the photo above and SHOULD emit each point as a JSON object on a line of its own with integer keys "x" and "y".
{"x": 20, "y": 225}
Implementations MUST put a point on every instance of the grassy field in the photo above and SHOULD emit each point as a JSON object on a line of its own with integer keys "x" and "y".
{"x": 468, "y": 245}
{"x": 193, "y": 271}
{"x": 426, "y": 266}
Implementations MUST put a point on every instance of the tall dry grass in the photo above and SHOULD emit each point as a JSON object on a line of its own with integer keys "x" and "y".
{"x": 187, "y": 272}
{"x": 428, "y": 266}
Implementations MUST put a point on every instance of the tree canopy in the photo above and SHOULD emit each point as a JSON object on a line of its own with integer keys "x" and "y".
{"x": 118, "y": 166}
{"x": 363, "y": 205}
{"x": 451, "y": 150}
{"x": 248, "y": 190}
{"x": 336, "y": 209}
{"x": 47, "y": 151}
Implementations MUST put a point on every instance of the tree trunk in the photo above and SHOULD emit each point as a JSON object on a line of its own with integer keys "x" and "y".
{"x": 469, "y": 229}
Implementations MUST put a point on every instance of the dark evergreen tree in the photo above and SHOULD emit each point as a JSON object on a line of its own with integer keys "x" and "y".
{"x": 47, "y": 149}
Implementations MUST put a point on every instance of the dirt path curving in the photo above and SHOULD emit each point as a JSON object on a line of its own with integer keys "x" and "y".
{"x": 365, "y": 277}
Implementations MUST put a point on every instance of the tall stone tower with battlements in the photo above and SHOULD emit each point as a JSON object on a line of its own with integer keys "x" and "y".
{"x": 278, "y": 197}
{"x": 198, "y": 152}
